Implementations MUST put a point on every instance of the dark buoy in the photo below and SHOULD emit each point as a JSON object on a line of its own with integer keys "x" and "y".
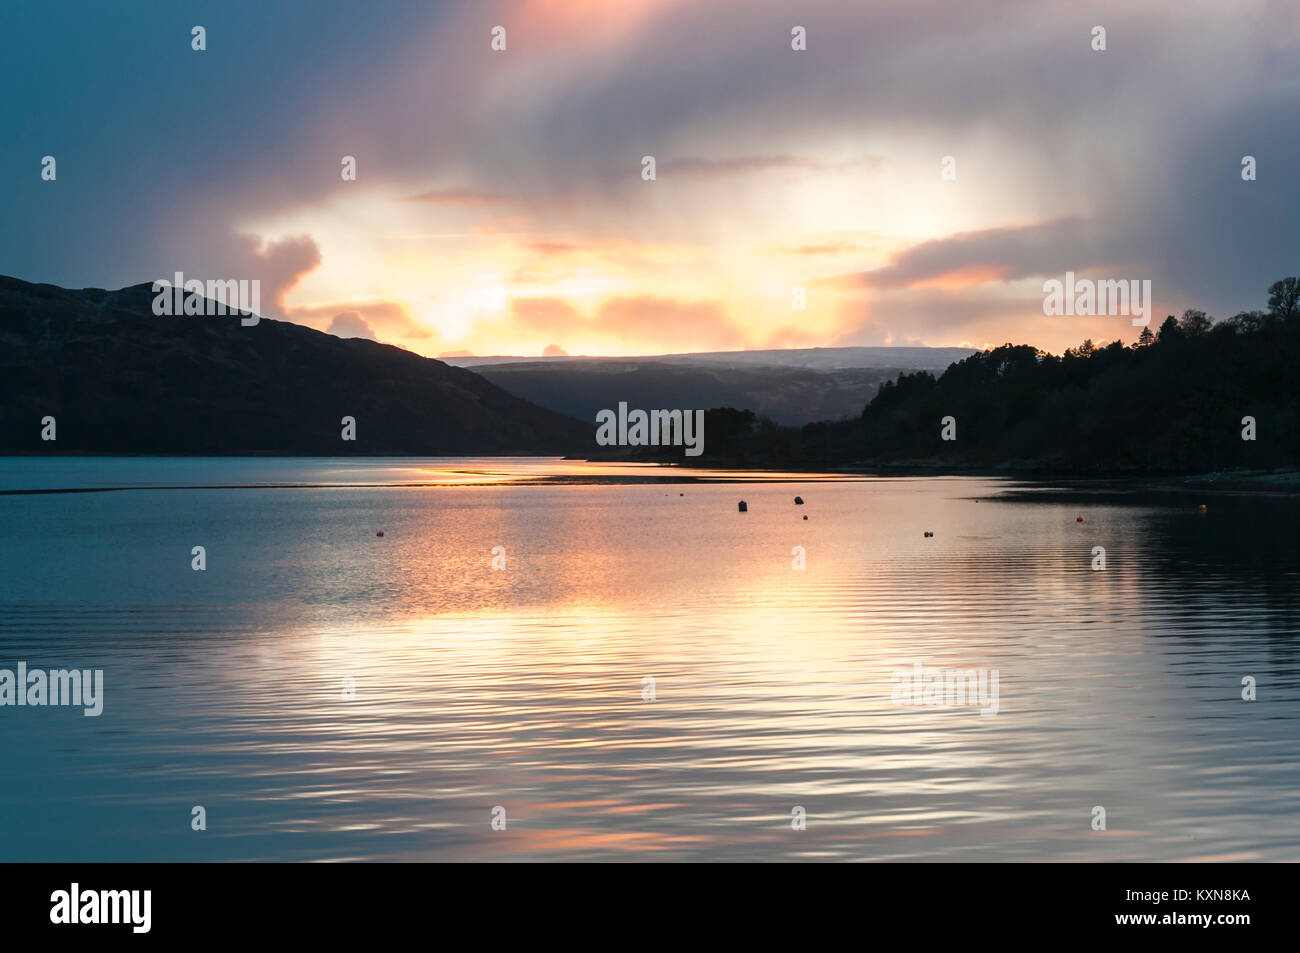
{"x": 798, "y": 501}
{"x": 744, "y": 507}
{"x": 805, "y": 517}
{"x": 928, "y": 533}
{"x": 1078, "y": 519}
{"x": 681, "y": 494}
{"x": 380, "y": 533}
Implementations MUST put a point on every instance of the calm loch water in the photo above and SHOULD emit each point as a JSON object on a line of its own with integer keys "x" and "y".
{"x": 529, "y": 687}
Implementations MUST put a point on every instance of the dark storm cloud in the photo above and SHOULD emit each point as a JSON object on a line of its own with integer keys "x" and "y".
{"x": 1005, "y": 254}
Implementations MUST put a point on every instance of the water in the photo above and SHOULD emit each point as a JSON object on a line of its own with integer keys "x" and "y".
{"x": 523, "y": 688}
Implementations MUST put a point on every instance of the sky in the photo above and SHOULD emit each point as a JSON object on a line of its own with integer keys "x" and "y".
{"x": 500, "y": 206}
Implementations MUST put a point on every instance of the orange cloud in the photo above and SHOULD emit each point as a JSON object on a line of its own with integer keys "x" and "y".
{"x": 385, "y": 321}
{"x": 966, "y": 277}
{"x": 280, "y": 265}
{"x": 350, "y": 324}
{"x": 658, "y": 322}
{"x": 635, "y": 324}
{"x": 553, "y": 315}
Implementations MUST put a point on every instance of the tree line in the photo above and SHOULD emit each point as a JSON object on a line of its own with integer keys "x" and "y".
{"x": 1196, "y": 395}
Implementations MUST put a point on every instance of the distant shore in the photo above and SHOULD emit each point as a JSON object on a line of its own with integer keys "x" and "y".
{"x": 684, "y": 471}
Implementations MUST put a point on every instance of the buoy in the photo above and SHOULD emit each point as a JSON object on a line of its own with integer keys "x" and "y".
{"x": 380, "y": 533}
{"x": 1202, "y": 507}
{"x": 805, "y": 517}
{"x": 744, "y": 507}
{"x": 798, "y": 501}
{"x": 928, "y": 533}
{"x": 681, "y": 494}
{"x": 1078, "y": 519}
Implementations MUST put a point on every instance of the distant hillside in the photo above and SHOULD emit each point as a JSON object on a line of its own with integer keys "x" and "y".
{"x": 790, "y": 387}
{"x": 813, "y": 358}
{"x": 118, "y": 379}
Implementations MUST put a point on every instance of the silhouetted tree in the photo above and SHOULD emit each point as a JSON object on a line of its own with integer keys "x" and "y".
{"x": 1195, "y": 322}
{"x": 1284, "y": 298}
{"x": 1250, "y": 322}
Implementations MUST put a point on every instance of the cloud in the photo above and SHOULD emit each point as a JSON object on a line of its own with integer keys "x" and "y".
{"x": 280, "y": 265}
{"x": 703, "y": 168}
{"x": 378, "y": 320}
{"x": 546, "y": 246}
{"x": 554, "y": 350}
{"x": 655, "y": 322}
{"x": 989, "y": 255}
{"x": 350, "y": 324}
{"x": 1140, "y": 146}
{"x": 838, "y": 246}
{"x": 553, "y": 315}
{"x": 936, "y": 316}
{"x": 456, "y": 197}
{"x": 644, "y": 324}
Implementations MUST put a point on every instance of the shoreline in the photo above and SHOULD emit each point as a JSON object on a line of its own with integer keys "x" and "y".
{"x": 664, "y": 473}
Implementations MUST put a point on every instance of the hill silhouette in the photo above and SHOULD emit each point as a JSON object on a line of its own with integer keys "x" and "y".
{"x": 118, "y": 379}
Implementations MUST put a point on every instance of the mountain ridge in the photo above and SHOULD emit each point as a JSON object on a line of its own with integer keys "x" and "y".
{"x": 792, "y": 388}
{"x": 119, "y": 379}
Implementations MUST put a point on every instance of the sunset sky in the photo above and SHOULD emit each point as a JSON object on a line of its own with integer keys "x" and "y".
{"x": 499, "y": 206}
